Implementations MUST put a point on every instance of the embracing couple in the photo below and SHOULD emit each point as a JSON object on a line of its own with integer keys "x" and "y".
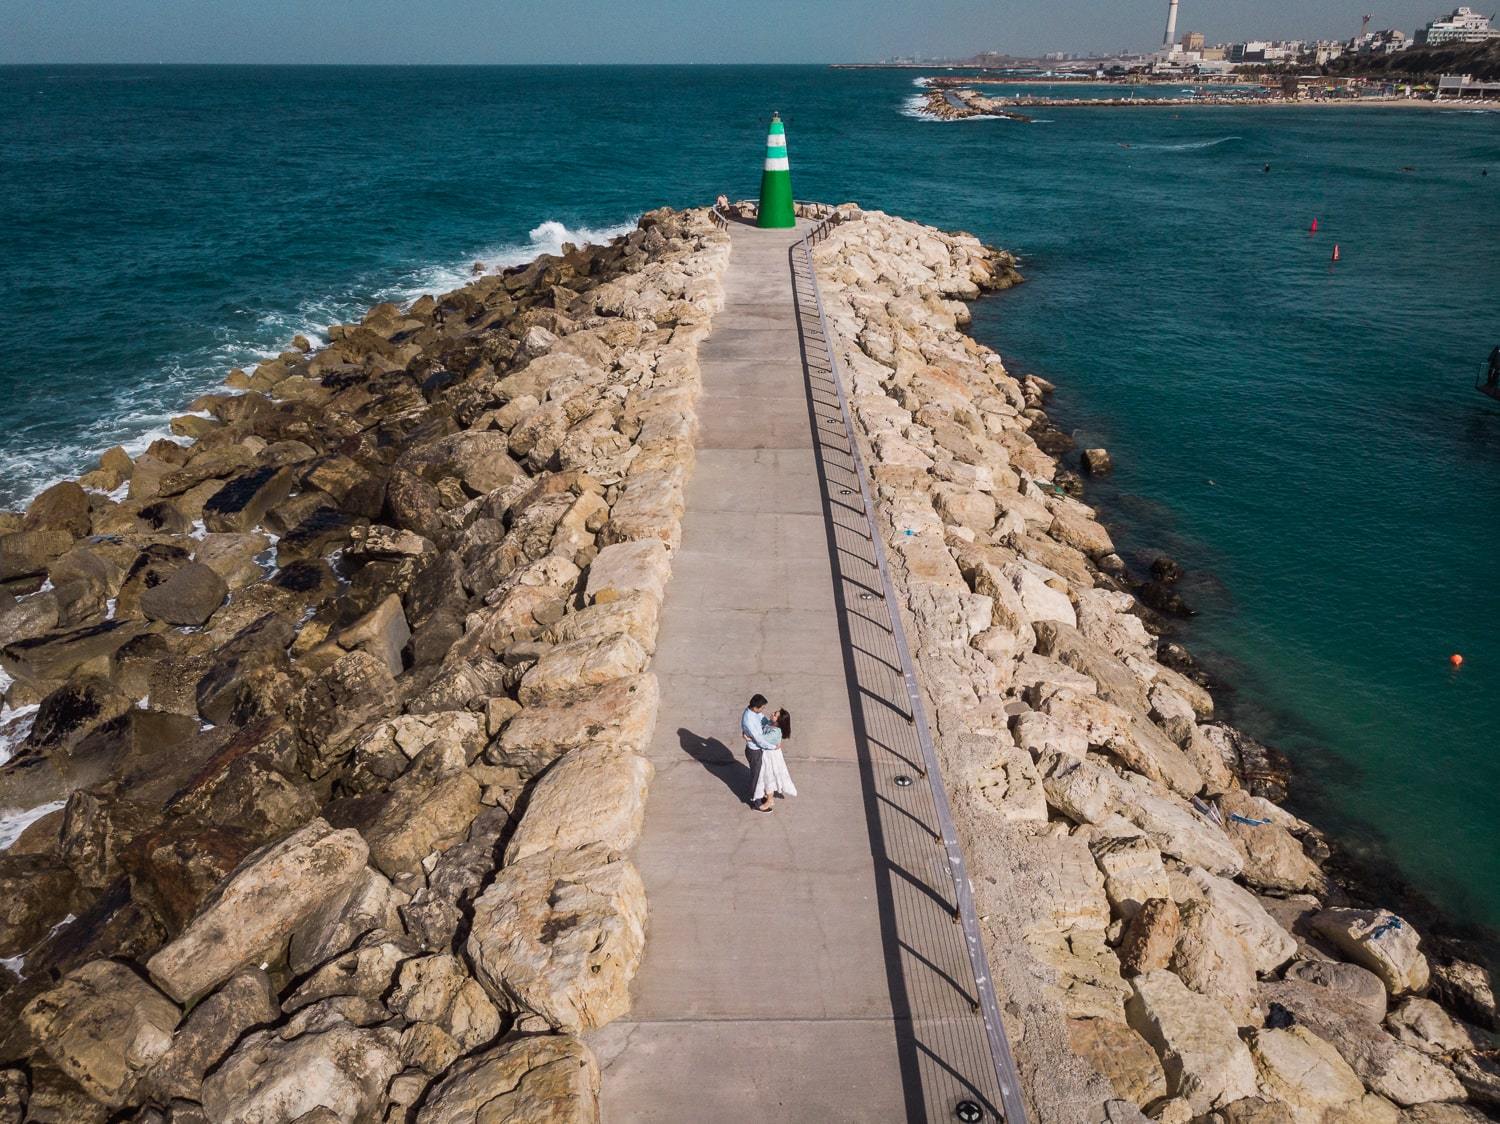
{"x": 765, "y": 735}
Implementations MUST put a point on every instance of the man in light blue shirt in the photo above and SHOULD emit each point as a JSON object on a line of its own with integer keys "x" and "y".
{"x": 752, "y": 729}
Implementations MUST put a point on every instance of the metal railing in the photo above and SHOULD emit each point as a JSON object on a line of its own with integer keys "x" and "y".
{"x": 965, "y": 913}
{"x": 805, "y": 208}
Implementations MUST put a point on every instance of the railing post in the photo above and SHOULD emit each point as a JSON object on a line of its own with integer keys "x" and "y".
{"x": 989, "y": 1007}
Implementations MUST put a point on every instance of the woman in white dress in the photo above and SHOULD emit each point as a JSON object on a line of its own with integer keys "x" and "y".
{"x": 774, "y": 779}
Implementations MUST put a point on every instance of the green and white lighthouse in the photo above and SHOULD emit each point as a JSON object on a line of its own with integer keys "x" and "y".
{"x": 776, "y": 208}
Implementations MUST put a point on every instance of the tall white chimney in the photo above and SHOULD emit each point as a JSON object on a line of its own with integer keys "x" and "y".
{"x": 1171, "y": 36}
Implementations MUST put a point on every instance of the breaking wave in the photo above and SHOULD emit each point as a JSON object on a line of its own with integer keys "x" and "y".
{"x": 134, "y": 416}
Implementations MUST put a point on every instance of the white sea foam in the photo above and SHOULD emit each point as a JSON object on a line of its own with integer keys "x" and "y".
{"x": 141, "y": 414}
{"x": 13, "y": 964}
{"x": 15, "y": 724}
{"x": 548, "y": 238}
{"x": 12, "y": 824}
{"x": 1186, "y": 146}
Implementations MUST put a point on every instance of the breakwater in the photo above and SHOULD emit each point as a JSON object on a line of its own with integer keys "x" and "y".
{"x": 323, "y": 725}
{"x": 1164, "y": 930}
{"x": 394, "y": 691}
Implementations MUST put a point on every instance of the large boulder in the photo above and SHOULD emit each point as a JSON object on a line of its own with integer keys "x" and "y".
{"x": 1132, "y": 867}
{"x": 243, "y": 502}
{"x": 479, "y": 458}
{"x": 1305, "y": 1074}
{"x": 1026, "y": 587}
{"x": 1270, "y": 945}
{"x": 45, "y": 661}
{"x": 1358, "y": 984}
{"x": 103, "y": 1025}
{"x": 334, "y": 707}
{"x": 1387, "y": 1067}
{"x": 579, "y": 665}
{"x": 1465, "y": 988}
{"x": 382, "y": 632}
{"x": 80, "y": 705}
{"x": 1274, "y": 859}
{"x": 246, "y": 1002}
{"x": 189, "y": 597}
{"x": 621, "y": 713}
{"x": 1123, "y": 1056}
{"x": 1079, "y": 789}
{"x": 593, "y": 795}
{"x": 636, "y": 615}
{"x": 437, "y": 911}
{"x": 1205, "y": 1061}
{"x": 1212, "y": 959}
{"x": 27, "y": 554}
{"x": 639, "y": 566}
{"x": 251, "y": 916}
{"x": 537, "y": 1079}
{"x": 1150, "y": 937}
{"x": 1069, "y": 647}
{"x": 62, "y": 507}
{"x": 428, "y": 809}
{"x": 1422, "y": 1024}
{"x": 1178, "y": 831}
{"x": 560, "y": 935}
{"x": 1380, "y": 941}
{"x": 268, "y": 1079}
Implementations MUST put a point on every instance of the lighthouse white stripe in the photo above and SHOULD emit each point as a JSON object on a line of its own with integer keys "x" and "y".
{"x": 777, "y": 164}
{"x": 776, "y": 140}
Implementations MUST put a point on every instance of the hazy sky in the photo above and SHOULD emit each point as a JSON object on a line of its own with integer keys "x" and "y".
{"x": 587, "y": 31}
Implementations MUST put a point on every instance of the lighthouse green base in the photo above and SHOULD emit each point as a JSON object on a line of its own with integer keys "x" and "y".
{"x": 776, "y": 209}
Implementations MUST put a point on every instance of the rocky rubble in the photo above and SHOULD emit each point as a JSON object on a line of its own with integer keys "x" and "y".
{"x": 330, "y": 719}
{"x": 1166, "y": 942}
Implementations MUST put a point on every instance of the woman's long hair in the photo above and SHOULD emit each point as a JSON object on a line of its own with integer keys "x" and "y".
{"x": 784, "y": 721}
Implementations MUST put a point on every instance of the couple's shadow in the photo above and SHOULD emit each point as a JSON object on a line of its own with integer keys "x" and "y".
{"x": 721, "y": 762}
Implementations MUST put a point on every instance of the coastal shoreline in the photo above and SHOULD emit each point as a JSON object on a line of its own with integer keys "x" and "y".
{"x": 934, "y": 104}
{"x": 490, "y": 482}
{"x": 314, "y": 705}
{"x": 1081, "y": 779}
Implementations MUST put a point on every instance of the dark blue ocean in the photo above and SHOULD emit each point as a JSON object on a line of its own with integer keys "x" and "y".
{"x": 1303, "y": 436}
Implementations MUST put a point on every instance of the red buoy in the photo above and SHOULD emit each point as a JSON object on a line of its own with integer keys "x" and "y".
{"x": 1335, "y": 251}
{"x": 1456, "y": 660}
{"x": 1313, "y": 229}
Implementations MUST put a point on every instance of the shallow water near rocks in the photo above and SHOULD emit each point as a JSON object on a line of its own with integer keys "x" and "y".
{"x": 1301, "y": 435}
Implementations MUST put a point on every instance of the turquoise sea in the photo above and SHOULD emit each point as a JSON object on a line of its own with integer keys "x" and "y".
{"x": 1303, "y": 436}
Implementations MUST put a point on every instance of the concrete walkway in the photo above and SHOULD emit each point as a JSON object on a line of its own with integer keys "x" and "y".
{"x": 796, "y": 968}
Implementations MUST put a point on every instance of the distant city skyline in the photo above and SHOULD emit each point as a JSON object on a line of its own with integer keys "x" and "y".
{"x": 666, "y": 31}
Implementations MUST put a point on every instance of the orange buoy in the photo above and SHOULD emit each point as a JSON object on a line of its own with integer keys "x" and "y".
{"x": 1456, "y": 660}
{"x": 1335, "y": 251}
{"x": 1313, "y": 229}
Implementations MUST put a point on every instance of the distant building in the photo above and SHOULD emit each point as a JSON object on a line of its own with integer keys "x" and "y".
{"x": 1324, "y": 51}
{"x": 1193, "y": 41}
{"x": 1219, "y": 53}
{"x": 1464, "y": 86}
{"x": 1385, "y": 42}
{"x": 1261, "y": 51}
{"x": 1462, "y": 25}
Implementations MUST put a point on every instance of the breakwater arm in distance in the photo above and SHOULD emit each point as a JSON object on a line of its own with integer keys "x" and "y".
{"x": 1161, "y": 933}
{"x": 324, "y": 726}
